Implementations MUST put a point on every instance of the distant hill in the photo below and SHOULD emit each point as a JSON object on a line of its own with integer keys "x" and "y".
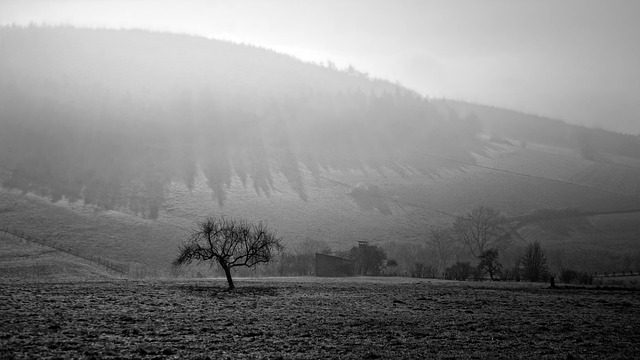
{"x": 112, "y": 117}
{"x": 117, "y": 140}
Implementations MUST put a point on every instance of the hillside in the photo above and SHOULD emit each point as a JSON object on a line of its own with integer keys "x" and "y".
{"x": 112, "y": 117}
{"x": 21, "y": 260}
{"x": 592, "y": 144}
{"x": 116, "y": 141}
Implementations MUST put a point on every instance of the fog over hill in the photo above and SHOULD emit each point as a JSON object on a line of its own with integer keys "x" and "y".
{"x": 112, "y": 117}
{"x": 165, "y": 128}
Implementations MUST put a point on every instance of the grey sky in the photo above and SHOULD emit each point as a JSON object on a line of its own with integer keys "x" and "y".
{"x": 578, "y": 60}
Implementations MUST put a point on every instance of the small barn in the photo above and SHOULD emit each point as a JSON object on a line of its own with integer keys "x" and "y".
{"x": 334, "y": 266}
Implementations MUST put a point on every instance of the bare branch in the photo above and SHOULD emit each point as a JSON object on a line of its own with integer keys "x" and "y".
{"x": 480, "y": 229}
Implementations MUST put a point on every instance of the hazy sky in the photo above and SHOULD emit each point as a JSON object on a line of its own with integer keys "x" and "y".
{"x": 577, "y": 60}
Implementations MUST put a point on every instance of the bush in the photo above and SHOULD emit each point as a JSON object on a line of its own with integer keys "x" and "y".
{"x": 459, "y": 271}
{"x": 478, "y": 273}
{"x": 511, "y": 273}
{"x": 421, "y": 270}
{"x": 569, "y": 276}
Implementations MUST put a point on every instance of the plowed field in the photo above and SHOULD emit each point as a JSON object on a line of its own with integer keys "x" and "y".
{"x": 315, "y": 318}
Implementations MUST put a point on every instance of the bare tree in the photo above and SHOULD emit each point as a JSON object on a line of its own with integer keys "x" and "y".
{"x": 230, "y": 243}
{"x": 441, "y": 241}
{"x": 534, "y": 262}
{"x": 489, "y": 263}
{"x": 481, "y": 229}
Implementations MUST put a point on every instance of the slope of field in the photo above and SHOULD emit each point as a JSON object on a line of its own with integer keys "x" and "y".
{"x": 120, "y": 238}
{"x": 549, "y": 162}
{"x": 617, "y": 233}
{"x": 612, "y": 177}
{"x": 20, "y": 260}
{"x": 314, "y": 319}
{"x": 617, "y": 175}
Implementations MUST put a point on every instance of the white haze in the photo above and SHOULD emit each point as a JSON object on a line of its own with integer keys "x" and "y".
{"x": 575, "y": 60}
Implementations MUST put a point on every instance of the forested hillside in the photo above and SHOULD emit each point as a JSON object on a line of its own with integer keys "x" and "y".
{"x": 112, "y": 117}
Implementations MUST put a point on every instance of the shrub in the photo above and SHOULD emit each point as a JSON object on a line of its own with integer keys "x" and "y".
{"x": 421, "y": 270}
{"x": 569, "y": 276}
{"x": 510, "y": 274}
{"x": 459, "y": 271}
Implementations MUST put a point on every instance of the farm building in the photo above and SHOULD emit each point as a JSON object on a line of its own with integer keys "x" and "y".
{"x": 330, "y": 266}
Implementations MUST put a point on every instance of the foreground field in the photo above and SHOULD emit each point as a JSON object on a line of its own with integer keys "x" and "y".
{"x": 314, "y": 318}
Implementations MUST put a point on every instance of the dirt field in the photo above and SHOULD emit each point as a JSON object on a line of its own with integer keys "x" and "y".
{"x": 315, "y": 318}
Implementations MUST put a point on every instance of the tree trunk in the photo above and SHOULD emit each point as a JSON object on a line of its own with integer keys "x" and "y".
{"x": 227, "y": 272}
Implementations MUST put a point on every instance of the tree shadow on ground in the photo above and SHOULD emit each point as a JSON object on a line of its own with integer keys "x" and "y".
{"x": 214, "y": 290}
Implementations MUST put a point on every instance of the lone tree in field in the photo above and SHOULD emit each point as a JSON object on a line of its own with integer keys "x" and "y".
{"x": 230, "y": 243}
{"x": 481, "y": 229}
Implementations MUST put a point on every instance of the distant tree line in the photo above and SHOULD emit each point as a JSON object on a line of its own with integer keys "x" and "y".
{"x": 473, "y": 247}
{"x": 479, "y": 245}
{"x": 369, "y": 260}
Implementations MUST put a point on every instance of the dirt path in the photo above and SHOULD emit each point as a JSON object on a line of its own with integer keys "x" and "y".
{"x": 276, "y": 318}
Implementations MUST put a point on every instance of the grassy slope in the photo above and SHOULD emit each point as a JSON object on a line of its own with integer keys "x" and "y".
{"x": 20, "y": 260}
{"x": 111, "y": 235}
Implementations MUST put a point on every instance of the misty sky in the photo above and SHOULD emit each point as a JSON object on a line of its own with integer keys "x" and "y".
{"x": 577, "y": 60}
